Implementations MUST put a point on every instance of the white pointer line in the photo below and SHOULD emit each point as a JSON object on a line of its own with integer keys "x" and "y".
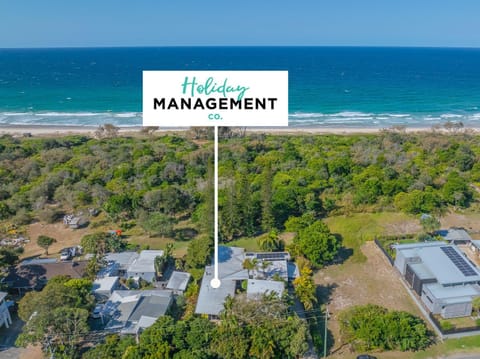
{"x": 215, "y": 282}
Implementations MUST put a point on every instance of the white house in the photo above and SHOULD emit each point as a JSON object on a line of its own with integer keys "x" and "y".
{"x": 5, "y": 318}
{"x": 144, "y": 266}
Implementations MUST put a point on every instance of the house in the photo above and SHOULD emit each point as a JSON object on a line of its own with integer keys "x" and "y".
{"x": 441, "y": 275}
{"x": 232, "y": 273}
{"x": 103, "y": 287}
{"x": 131, "y": 311}
{"x": 5, "y": 318}
{"x": 178, "y": 282}
{"x": 144, "y": 265}
{"x": 117, "y": 264}
{"x": 455, "y": 236}
{"x": 258, "y": 287}
{"x": 34, "y": 274}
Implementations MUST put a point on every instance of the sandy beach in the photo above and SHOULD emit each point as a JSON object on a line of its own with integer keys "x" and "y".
{"x": 44, "y": 130}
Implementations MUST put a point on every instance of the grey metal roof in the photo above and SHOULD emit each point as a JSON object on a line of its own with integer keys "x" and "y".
{"x": 454, "y": 234}
{"x": 258, "y": 287}
{"x": 104, "y": 284}
{"x": 2, "y": 296}
{"x": 122, "y": 259}
{"x": 437, "y": 262}
{"x": 145, "y": 262}
{"x": 443, "y": 268}
{"x": 152, "y": 306}
{"x": 210, "y": 300}
{"x": 422, "y": 271}
{"x": 455, "y": 294}
{"x": 125, "y": 308}
{"x": 178, "y": 281}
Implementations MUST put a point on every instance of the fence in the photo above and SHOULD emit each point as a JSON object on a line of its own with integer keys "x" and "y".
{"x": 452, "y": 330}
{"x": 379, "y": 245}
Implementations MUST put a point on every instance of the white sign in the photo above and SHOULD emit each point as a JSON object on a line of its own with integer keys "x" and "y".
{"x": 215, "y": 98}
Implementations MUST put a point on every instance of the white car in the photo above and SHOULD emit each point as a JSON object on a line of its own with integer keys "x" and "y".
{"x": 97, "y": 312}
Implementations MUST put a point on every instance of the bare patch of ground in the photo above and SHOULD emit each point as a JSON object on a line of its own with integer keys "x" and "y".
{"x": 374, "y": 281}
{"x": 64, "y": 236}
{"x": 469, "y": 221}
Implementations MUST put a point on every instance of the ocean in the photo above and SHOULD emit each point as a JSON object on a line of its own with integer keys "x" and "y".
{"x": 328, "y": 86}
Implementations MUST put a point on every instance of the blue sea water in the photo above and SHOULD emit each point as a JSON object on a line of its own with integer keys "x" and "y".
{"x": 328, "y": 86}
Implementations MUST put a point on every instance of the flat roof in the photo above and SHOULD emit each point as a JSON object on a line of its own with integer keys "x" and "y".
{"x": 457, "y": 293}
{"x": 145, "y": 261}
{"x": 258, "y": 287}
{"x": 421, "y": 271}
{"x": 178, "y": 281}
{"x": 104, "y": 284}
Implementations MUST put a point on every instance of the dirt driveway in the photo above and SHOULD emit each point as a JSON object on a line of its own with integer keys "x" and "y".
{"x": 374, "y": 281}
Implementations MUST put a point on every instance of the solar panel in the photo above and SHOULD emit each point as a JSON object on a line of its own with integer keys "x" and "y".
{"x": 272, "y": 256}
{"x": 459, "y": 261}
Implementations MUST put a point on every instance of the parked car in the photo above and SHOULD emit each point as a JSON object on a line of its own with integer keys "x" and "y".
{"x": 366, "y": 356}
{"x": 97, "y": 312}
{"x": 70, "y": 252}
{"x": 65, "y": 254}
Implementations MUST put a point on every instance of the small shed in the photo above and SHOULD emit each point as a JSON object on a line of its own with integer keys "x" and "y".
{"x": 178, "y": 282}
{"x": 456, "y": 236}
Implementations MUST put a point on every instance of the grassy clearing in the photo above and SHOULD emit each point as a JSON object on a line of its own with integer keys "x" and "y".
{"x": 451, "y": 346}
{"x": 361, "y": 227}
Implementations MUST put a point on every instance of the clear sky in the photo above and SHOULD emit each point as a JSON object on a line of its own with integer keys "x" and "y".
{"x": 71, "y": 23}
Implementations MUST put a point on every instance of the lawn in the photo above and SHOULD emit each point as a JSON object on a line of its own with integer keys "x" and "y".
{"x": 451, "y": 346}
{"x": 361, "y": 227}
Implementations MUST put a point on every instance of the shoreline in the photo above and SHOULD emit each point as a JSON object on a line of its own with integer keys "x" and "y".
{"x": 63, "y": 130}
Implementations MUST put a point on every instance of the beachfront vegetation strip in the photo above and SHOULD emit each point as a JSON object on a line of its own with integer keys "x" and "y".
{"x": 129, "y": 178}
{"x": 266, "y": 179}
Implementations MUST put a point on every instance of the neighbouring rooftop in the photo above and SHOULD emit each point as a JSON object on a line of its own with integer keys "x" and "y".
{"x": 178, "y": 281}
{"x": 257, "y": 287}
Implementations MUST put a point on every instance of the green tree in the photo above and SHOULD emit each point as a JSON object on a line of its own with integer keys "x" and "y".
{"x": 157, "y": 224}
{"x": 267, "y": 194}
{"x": 270, "y": 242}
{"x": 430, "y": 224}
{"x": 317, "y": 243}
{"x": 305, "y": 288}
{"x": 45, "y": 242}
{"x": 199, "y": 251}
{"x": 56, "y": 317}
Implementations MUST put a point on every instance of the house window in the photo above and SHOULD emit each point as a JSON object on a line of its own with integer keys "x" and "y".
{"x": 431, "y": 301}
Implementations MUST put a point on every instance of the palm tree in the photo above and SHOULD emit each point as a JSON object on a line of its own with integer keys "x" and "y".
{"x": 269, "y": 242}
{"x": 250, "y": 264}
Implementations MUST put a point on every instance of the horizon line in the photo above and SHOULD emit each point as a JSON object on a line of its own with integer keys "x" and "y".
{"x": 237, "y": 46}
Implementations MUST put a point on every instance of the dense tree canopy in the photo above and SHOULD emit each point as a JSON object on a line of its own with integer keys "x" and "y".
{"x": 56, "y": 317}
{"x": 373, "y": 327}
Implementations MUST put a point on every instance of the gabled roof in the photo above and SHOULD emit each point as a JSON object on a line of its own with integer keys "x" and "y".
{"x": 130, "y": 310}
